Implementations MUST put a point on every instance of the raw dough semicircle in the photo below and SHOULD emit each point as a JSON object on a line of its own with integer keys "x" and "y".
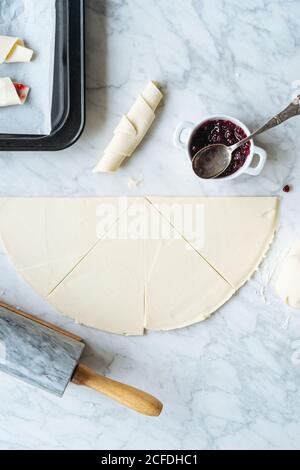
{"x": 124, "y": 285}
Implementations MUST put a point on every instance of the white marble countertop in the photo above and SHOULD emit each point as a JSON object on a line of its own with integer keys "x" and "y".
{"x": 233, "y": 381}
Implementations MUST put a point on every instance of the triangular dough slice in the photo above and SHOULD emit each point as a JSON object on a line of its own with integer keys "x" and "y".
{"x": 47, "y": 237}
{"x": 181, "y": 287}
{"x": 234, "y": 235}
{"x": 106, "y": 290}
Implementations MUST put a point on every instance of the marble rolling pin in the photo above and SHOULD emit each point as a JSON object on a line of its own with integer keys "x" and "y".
{"x": 48, "y": 357}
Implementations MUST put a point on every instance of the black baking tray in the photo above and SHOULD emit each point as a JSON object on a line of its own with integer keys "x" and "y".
{"x": 68, "y": 105}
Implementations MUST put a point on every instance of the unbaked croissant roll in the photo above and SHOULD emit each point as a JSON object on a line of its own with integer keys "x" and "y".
{"x": 12, "y": 93}
{"x": 131, "y": 130}
{"x": 14, "y": 50}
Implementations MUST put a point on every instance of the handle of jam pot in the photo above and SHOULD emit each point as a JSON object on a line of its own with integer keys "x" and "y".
{"x": 183, "y": 126}
{"x": 256, "y": 170}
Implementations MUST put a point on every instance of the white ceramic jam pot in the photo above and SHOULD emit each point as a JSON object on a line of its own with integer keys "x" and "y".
{"x": 254, "y": 163}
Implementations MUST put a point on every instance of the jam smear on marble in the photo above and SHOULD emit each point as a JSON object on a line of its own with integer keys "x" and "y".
{"x": 225, "y": 132}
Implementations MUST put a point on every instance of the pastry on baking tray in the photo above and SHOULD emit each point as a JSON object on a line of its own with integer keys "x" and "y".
{"x": 12, "y": 93}
{"x": 14, "y": 50}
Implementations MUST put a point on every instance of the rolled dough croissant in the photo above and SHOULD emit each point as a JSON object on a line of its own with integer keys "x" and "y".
{"x": 131, "y": 130}
{"x": 12, "y": 93}
{"x": 14, "y": 50}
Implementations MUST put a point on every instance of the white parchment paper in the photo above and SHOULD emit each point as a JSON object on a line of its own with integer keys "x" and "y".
{"x": 34, "y": 21}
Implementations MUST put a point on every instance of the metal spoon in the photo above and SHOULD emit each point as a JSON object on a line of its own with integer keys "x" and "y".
{"x": 211, "y": 161}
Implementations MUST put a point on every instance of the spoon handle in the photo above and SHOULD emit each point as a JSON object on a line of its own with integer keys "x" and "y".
{"x": 293, "y": 109}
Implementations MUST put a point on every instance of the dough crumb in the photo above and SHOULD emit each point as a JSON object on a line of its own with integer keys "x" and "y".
{"x": 134, "y": 182}
{"x": 288, "y": 280}
{"x": 285, "y": 323}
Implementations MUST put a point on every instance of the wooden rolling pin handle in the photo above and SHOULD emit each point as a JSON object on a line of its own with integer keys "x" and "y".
{"x": 128, "y": 396}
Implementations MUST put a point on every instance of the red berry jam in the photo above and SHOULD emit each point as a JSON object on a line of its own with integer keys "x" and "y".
{"x": 225, "y": 132}
{"x": 20, "y": 89}
{"x": 19, "y": 86}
